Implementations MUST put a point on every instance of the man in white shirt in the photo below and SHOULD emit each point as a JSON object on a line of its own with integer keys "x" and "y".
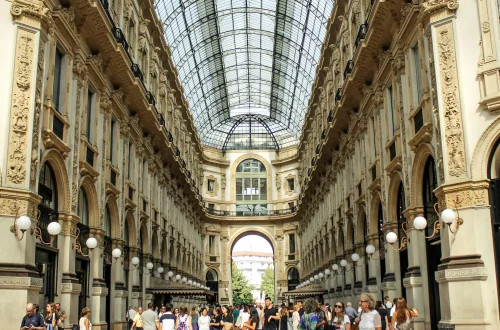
{"x": 393, "y": 309}
{"x": 130, "y": 315}
{"x": 167, "y": 320}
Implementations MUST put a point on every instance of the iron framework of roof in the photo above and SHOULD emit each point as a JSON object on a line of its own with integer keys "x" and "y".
{"x": 244, "y": 63}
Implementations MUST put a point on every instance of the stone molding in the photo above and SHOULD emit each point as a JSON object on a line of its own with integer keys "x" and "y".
{"x": 462, "y": 274}
{"x": 71, "y": 288}
{"x": 20, "y": 283}
{"x": 412, "y": 282}
{"x": 388, "y": 285}
{"x": 100, "y": 291}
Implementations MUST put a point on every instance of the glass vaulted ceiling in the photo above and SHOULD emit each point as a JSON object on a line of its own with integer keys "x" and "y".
{"x": 247, "y": 66}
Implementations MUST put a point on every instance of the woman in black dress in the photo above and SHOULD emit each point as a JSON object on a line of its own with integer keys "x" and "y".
{"x": 51, "y": 317}
{"x": 380, "y": 308}
{"x": 284, "y": 317}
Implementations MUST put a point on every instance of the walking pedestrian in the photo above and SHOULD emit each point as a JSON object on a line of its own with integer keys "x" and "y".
{"x": 84, "y": 323}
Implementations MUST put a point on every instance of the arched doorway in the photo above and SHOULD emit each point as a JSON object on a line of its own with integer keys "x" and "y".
{"x": 252, "y": 269}
{"x": 293, "y": 278}
{"x": 106, "y": 266}
{"x": 82, "y": 262}
{"x": 213, "y": 283}
{"x": 433, "y": 245}
{"x": 403, "y": 253}
{"x": 494, "y": 194}
{"x": 46, "y": 256}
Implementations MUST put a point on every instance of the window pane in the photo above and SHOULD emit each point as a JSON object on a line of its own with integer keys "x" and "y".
{"x": 247, "y": 186}
{"x": 239, "y": 186}
{"x": 255, "y": 186}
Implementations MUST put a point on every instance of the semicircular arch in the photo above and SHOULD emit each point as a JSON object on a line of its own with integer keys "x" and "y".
{"x": 423, "y": 153}
{"x": 236, "y": 236}
{"x": 243, "y": 158}
{"x": 395, "y": 181}
{"x": 56, "y": 161}
{"x": 132, "y": 231}
{"x": 115, "y": 217}
{"x": 88, "y": 185}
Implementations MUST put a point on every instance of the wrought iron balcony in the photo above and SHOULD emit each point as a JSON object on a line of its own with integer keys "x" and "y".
{"x": 318, "y": 149}
{"x": 363, "y": 29}
{"x": 183, "y": 163}
{"x": 330, "y": 115}
{"x": 161, "y": 119}
{"x": 120, "y": 38}
{"x": 338, "y": 95}
{"x": 136, "y": 70}
{"x": 323, "y": 134}
{"x": 313, "y": 161}
{"x": 189, "y": 176}
{"x": 170, "y": 137}
{"x": 348, "y": 68}
{"x": 251, "y": 213}
{"x": 309, "y": 170}
{"x": 151, "y": 98}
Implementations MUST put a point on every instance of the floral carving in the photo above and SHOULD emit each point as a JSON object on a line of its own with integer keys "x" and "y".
{"x": 16, "y": 171}
{"x": 451, "y": 107}
{"x": 36, "y": 117}
{"x": 76, "y": 143}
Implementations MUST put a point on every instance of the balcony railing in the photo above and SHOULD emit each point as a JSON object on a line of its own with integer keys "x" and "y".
{"x": 254, "y": 213}
{"x": 338, "y": 95}
{"x": 348, "y": 68}
{"x": 363, "y": 29}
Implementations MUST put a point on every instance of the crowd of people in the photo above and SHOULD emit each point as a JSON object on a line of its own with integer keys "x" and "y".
{"x": 53, "y": 319}
{"x": 308, "y": 315}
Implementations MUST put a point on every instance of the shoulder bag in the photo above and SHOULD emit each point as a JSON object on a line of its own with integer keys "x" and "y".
{"x": 355, "y": 326}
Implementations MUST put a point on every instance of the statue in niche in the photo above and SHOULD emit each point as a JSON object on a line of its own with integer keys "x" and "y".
{"x": 278, "y": 181}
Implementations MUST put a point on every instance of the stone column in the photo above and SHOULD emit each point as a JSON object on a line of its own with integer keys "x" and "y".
{"x": 388, "y": 285}
{"x": 99, "y": 289}
{"x": 117, "y": 291}
{"x": 22, "y": 67}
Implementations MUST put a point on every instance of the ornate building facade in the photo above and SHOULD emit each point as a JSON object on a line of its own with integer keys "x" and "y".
{"x": 100, "y": 138}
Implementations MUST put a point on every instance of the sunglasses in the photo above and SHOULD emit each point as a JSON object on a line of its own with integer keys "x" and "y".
{"x": 362, "y": 301}
{"x": 338, "y": 306}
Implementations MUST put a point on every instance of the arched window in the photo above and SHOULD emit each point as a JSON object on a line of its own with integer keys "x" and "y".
{"x": 45, "y": 258}
{"x": 251, "y": 188}
{"x": 428, "y": 197}
{"x": 83, "y": 207}
{"x": 293, "y": 278}
{"x": 107, "y": 222}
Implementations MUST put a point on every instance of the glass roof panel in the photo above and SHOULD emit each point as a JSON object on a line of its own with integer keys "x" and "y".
{"x": 246, "y": 66}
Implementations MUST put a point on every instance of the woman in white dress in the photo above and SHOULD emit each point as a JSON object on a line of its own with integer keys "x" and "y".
{"x": 295, "y": 317}
{"x": 402, "y": 319}
{"x": 84, "y": 322}
{"x": 204, "y": 320}
{"x": 369, "y": 318}
{"x": 340, "y": 320}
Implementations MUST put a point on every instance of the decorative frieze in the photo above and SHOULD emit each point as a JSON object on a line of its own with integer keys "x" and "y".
{"x": 462, "y": 274}
{"x": 30, "y": 283}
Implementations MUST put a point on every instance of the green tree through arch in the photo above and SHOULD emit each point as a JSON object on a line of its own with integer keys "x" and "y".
{"x": 267, "y": 284}
{"x": 242, "y": 290}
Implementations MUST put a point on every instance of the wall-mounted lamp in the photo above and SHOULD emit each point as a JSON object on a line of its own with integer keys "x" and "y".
{"x": 91, "y": 244}
{"x": 116, "y": 254}
{"x": 328, "y": 272}
{"x": 160, "y": 270}
{"x": 135, "y": 262}
{"x": 170, "y": 275}
{"x": 447, "y": 216}
{"x": 23, "y": 223}
{"x": 149, "y": 267}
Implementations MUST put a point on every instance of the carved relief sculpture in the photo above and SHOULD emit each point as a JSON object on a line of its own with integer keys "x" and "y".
{"x": 451, "y": 102}
{"x": 21, "y": 100}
